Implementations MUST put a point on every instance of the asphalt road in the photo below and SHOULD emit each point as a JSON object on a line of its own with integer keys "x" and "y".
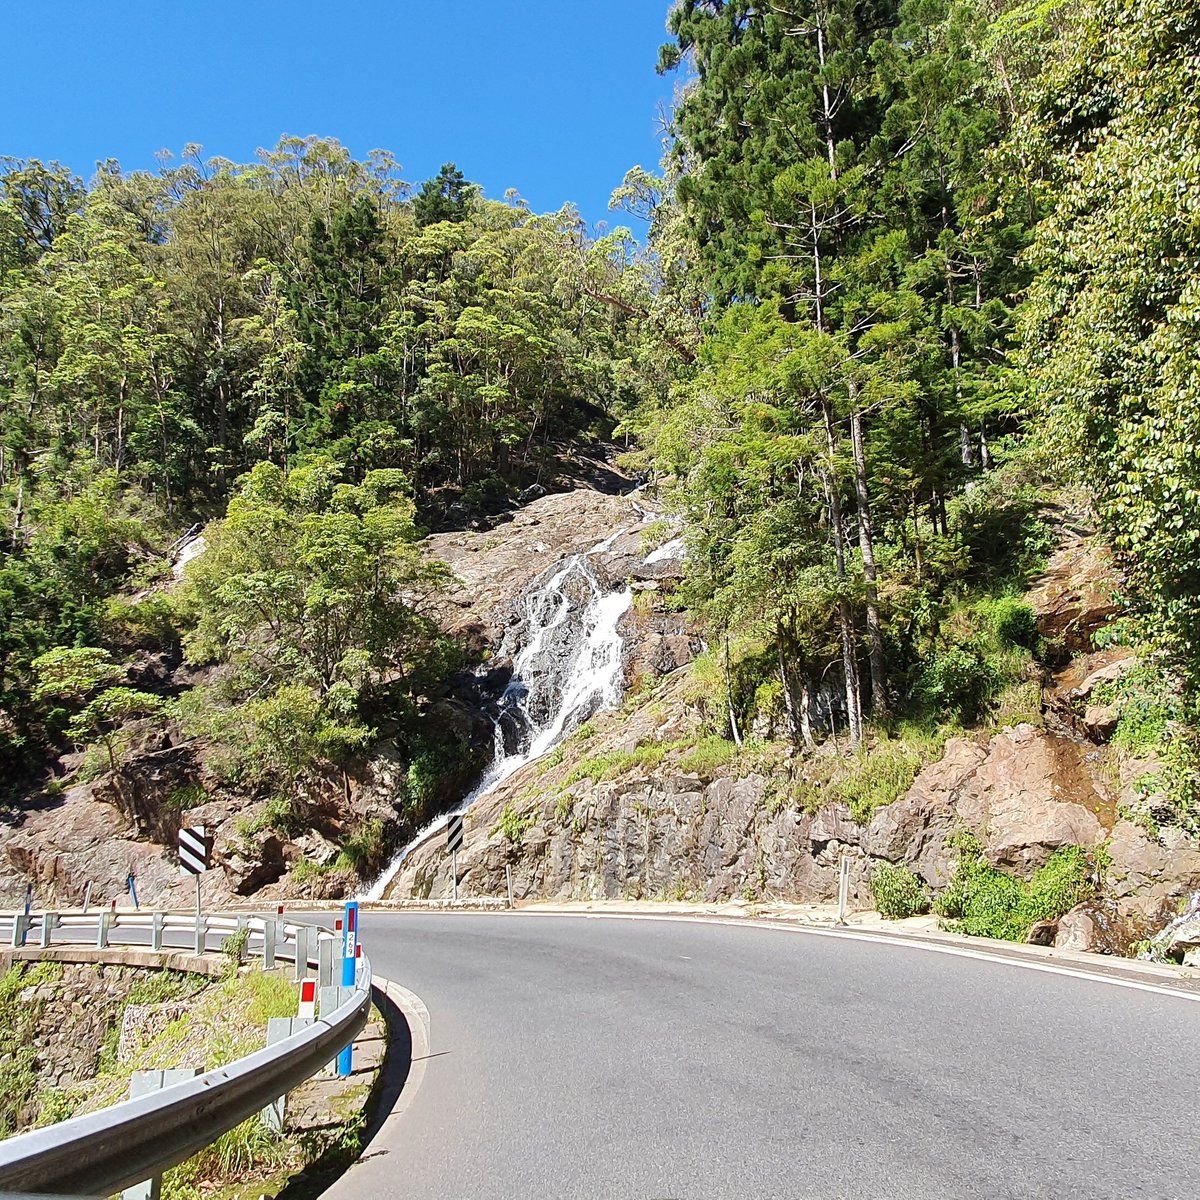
{"x": 660, "y": 1060}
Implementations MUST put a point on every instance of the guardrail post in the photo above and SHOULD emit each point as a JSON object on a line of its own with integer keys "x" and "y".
{"x": 102, "y": 929}
{"x": 50, "y": 922}
{"x": 345, "y": 1062}
{"x": 19, "y": 930}
{"x": 141, "y": 1083}
{"x": 156, "y": 930}
{"x": 280, "y": 1029}
{"x": 330, "y": 999}
{"x": 324, "y": 961}
{"x": 301, "y": 963}
{"x": 269, "y": 944}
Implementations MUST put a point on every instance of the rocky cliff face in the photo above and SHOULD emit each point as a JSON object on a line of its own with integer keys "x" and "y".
{"x": 632, "y": 806}
{"x": 101, "y": 832}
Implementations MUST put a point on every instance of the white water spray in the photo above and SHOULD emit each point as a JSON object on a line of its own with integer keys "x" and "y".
{"x": 672, "y": 550}
{"x": 566, "y": 666}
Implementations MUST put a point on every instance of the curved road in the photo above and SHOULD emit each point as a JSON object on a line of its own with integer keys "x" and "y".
{"x": 661, "y": 1060}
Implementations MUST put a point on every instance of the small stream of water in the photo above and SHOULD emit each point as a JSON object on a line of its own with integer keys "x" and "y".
{"x": 566, "y": 654}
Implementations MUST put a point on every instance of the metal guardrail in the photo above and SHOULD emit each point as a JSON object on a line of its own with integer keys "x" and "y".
{"x": 102, "y": 1152}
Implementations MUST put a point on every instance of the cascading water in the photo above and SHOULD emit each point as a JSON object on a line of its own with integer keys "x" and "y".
{"x": 1189, "y": 915}
{"x": 566, "y": 653}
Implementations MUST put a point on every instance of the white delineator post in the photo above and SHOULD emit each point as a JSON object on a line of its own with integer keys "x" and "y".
{"x": 843, "y": 888}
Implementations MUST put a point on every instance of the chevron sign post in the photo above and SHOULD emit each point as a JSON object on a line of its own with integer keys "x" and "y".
{"x": 454, "y": 841}
{"x": 195, "y": 855}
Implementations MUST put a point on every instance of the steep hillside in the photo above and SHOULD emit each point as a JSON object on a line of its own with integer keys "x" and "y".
{"x": 646, "y": 801}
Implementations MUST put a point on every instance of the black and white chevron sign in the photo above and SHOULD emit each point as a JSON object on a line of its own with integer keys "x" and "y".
{"x": 454, "y": 833}
{"x": 195, "y": 850}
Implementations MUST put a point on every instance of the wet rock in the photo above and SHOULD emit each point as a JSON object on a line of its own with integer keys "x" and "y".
{"x": 1042, "y": 933}
{"x": 1076, "y": 595}
{"x": 1077, "y": 930}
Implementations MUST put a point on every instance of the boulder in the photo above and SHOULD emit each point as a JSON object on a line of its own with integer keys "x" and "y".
{"x": 1100, "y": 721}
{"x": 1077, "y": 930}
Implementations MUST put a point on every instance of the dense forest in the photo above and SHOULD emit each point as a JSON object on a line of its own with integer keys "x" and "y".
{"x": 949, "y": 255}
{"x": 910, "y": 266}
{"x": 324, "y": 357}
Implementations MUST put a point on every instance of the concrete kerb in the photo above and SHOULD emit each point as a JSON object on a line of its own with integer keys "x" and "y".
{"x": 392, "y": 999}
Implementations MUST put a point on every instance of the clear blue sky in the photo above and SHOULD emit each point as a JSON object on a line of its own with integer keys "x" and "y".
{"x": 556, "y": 98}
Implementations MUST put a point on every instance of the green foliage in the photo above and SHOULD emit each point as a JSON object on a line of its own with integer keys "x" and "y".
{"x": 878, "y": 776}
{"x": 236, "y": 1152}
{"x": 1010, "y": 620}
{"x": 188, "y": 795}
{"x": 513, "y": 824}
{"x": 19, "y": 1025}
{"x": 162, "y": 334}
{"x": 446, "y": 197}
{"x": 1111, "y": 322}
{"x": 898, "y": 892}
{"x": 985, "y": 902}
{"x": 234, "y": 948}
{"x": 306, "y": 591}
{"x": 366, "y": 851}
{"x": 707, "y": 756}
{"x": 984, "y": 647}
{"x": 306, "y": 871}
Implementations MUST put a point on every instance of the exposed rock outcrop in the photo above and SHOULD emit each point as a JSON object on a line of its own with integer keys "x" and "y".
{"x": 1078, "y": 592}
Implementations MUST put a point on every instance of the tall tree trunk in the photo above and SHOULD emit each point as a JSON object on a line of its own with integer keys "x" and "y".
{"x": 795, "y": 692}
{"x": 845, "y": 617}
{"x": 866, "y": 542}
{"x": 733, "y": 725}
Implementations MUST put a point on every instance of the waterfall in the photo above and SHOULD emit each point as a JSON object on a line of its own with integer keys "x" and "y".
{"x": 1188, "y": 915}
{"x": 566, "y": 654}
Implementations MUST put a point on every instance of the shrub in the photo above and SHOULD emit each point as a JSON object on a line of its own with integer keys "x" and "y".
{"x": 513, "y": 824}
{"x": 1011, "y": 621}
{"x": 307, "y": 871}
{"x": 986, "y": 902}
{"x": 898, "y": 892}
{"x": 957, "y": 681}
{"x": 365, "y": 850}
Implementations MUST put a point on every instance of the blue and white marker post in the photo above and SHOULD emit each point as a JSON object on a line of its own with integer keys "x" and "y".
{"x": 349, "y": 970}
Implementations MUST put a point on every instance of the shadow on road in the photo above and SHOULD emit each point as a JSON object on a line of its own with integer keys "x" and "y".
{"x": 345, "y": 1152}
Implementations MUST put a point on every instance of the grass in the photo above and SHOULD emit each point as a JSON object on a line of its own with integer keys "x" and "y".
{"x": 707, "y": 756}
{"x": 881, "y": 776}
{"x": 248, "y": 1146}
{"x": 702, "y": 757}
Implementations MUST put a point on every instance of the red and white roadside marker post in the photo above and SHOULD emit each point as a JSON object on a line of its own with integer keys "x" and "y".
{"x": 308, "y": 999}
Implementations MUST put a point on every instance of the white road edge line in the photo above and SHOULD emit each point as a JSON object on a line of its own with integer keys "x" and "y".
{"x": 860, "y": 935}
